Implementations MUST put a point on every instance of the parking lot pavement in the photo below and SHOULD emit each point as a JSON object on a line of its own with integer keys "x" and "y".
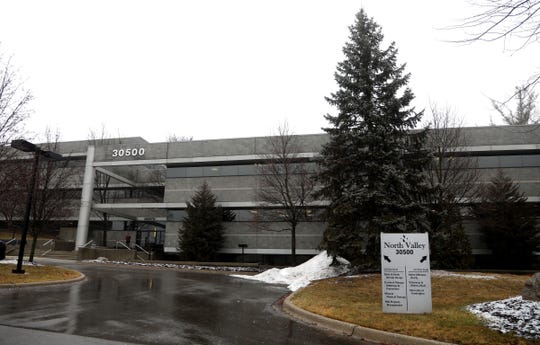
{"x": 23, "y": 336}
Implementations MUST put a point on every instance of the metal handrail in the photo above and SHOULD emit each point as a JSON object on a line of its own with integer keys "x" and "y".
{"x": 86, "y": 244}
{"x": 142, "y": 249}
{"x": 123, "y": 244}
{"x": 9, "y": 250}
{"x": 48, "y": 243}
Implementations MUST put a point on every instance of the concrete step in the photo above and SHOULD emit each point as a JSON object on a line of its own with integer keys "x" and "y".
{"x": 12, "y": 250}
{"x": 59, "y": 254}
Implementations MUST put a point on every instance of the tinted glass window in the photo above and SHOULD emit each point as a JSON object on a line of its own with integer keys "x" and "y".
{"x": 244, "y": 170}
{"x": 176, "y": 215}
{"x": 212, "y": 171}
{"x": 510, "y": 161}
{"x": 194, "y": 172}
{"x": 244, "y": 215}
{"x": 531, "y": 160}
{"x": 176, "y": 172}
{"x": 229, "y": 170}
{"x": 488, "y": 162}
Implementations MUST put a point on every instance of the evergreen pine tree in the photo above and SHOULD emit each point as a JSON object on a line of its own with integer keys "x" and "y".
{"x": 201, "y": 235}
{"x": 508, "y": 222}
{"x": 371, "y": 169}
{"x": 448, "y": 241}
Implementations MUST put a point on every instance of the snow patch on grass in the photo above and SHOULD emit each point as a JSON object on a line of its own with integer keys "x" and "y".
{"x": 439, "y": 273}
{"x": 515, "y": 314}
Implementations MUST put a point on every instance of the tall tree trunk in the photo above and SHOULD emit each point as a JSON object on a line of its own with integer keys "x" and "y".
{"x": 293, "y": 244}
{"x": 14, "y": 229}
{"x": 105, "y": 228}
{"x": 33, "y": 249}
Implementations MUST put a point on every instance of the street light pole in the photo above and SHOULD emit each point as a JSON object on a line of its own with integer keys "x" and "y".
{"x": 26, "y": 146}
{"x": 29, "y": 198}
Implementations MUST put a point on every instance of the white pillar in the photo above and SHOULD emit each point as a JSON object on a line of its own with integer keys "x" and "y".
{"x": 86, "y": 199}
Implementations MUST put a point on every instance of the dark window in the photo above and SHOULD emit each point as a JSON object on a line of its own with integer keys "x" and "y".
{"x": 245, "y": 170}
{"x": 230, "y": 170}
{"x": 215, "y": 170}
{"x": 194, "y": 172}
{"x": 176, "y": 215}
{"x": 531, "y": 160}
{"x": 176, "y": 172}
{"x": 212, "y": 171}
{"x": 488, "y": 162}
{"x": 244, "y": 215}
{"x": 508, "y": 161}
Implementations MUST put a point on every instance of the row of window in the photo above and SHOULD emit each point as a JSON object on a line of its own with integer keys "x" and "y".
{"x": 226, "y": 170}
{"x": 508, "y": 161}
{"x": 254, "y": 215}
{"x": 503, "y": 161}
{"x": 131, "y": 193}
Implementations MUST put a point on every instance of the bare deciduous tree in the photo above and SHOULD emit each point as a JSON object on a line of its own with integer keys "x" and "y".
{"x": 453, "y": 177}
{"x": 516, "y": 22}
{"x": 285, "y": 183}
{"x": 525, "y": 107}
{"x": 102, "y": 191}
{"x": 149, "y": 182}
{"x": 54, "y": 193}
{"x": 173, "y": 138}
{"x": 13, "y": 193}
{"x": 452, "y": 174}
{"x": 503, "y": 20}
{"x": 14, "y": 102}
{"x": 14, "y": 110}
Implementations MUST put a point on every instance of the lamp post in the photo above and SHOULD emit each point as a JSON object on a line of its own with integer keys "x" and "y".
{"x": 243, "y": 246}
{"x": 26, "y": 146}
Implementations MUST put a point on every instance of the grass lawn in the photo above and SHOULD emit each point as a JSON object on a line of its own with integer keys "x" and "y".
{"x": 358, "y": 300}
{"x": 35, "y": 274}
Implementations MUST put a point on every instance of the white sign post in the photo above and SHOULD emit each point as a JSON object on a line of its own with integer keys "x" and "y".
{"x": 406, "y": 277}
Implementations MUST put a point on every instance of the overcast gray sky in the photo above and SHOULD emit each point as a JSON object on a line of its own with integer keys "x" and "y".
{"x": 234, "y": 68}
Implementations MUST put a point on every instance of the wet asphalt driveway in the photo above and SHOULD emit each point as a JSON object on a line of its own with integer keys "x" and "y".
{"x": 159, "y": 307}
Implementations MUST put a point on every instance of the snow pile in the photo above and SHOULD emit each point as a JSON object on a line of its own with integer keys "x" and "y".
{"x": 14, "y": 262}
{"x": 319, "y": 267}
{"x": 511, "y": 315}
{"x": 102, "y": 260}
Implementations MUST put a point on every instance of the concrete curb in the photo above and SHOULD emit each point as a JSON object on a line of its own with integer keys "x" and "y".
{"x": 54, "y": 282}
{"x": 352, "y": 330}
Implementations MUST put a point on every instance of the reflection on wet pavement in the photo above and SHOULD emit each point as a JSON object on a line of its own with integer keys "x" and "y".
{"x": 160, "y": 307}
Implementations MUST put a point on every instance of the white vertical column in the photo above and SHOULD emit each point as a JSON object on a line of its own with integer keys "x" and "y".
{"x": 86, "y": 199}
